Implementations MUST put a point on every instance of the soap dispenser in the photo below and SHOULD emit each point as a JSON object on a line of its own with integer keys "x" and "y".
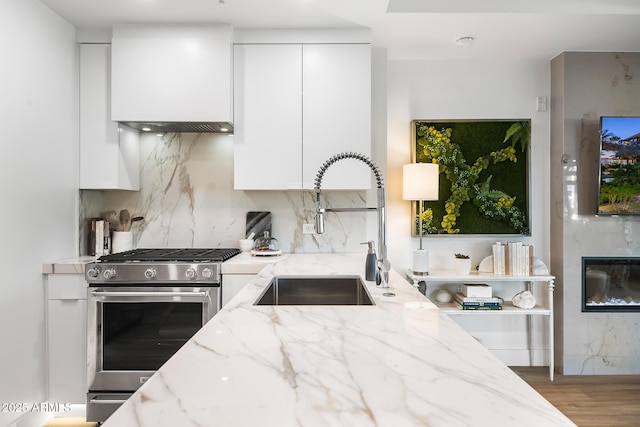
{"x": 370, "y": 265}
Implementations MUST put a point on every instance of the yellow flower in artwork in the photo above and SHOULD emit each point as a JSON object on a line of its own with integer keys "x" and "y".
{"x": 505, "y": 202}
{"x": 434, "y": 145}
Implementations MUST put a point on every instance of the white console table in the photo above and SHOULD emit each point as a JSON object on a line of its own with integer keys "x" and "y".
{"x": 507, "y": 308}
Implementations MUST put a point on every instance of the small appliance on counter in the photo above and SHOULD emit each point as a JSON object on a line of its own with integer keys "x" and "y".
{"x": 266, "y": 246}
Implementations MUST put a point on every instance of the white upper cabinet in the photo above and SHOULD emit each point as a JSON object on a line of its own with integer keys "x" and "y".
{"x": 296, "y": 105}
{"x": 172, "y": 73}
{"x": 337, "y": 113}
{"x": 268, "y": 117}
{"x": 109, "y": 154}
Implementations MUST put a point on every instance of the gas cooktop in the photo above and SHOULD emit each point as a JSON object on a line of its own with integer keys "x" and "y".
{"x": 172, "y": 255}
{"x": 146, "y": 267}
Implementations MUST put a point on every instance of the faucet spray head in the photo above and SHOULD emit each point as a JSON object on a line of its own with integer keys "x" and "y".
{"x": 319, "y": 222}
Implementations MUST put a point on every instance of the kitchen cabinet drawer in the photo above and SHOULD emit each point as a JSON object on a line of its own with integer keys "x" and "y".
{"x": 296, "y": 106}
{"x": 66, "y": 287}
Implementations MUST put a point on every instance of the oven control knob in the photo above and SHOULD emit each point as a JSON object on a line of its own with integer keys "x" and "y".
{"x": 93, "y": 272}
{"x": 109, "y": 273}
{"x": 207, "y": 273}
{"x": 150, "y": 273}
{"x": 190, "y": 273}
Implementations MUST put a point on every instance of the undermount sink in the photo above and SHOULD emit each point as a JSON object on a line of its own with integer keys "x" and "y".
{"x": 315, "y": 290}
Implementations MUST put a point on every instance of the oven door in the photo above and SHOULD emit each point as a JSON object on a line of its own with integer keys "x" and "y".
{"x": 132, "y": 331}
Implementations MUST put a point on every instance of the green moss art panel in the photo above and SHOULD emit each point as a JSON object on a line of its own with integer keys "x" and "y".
{"x": 484, "y": 180}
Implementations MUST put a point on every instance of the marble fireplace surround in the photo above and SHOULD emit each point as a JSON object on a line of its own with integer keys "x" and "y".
{"x": 585, "y": 86}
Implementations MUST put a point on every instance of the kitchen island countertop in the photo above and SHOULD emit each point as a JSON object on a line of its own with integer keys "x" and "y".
{"x": 398, "y": 363}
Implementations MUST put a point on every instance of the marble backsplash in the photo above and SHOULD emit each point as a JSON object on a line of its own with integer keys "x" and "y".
{"x": 187, "y": 200}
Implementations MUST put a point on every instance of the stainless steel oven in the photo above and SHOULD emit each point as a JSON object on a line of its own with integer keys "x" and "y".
{"x": 141, "y": 309}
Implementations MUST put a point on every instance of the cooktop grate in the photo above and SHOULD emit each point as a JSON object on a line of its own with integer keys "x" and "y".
{"x": 173, "y": 255}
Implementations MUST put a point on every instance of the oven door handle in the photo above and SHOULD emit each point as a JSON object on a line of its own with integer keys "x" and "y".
{"x": 107, "y": 401}
{"x": 108, "y": 294}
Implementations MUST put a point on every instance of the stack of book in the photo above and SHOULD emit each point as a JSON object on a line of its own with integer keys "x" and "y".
{"x": 512, "y": 259}
{"x": 99, "y": 237}
{"x": 477, "y": 303}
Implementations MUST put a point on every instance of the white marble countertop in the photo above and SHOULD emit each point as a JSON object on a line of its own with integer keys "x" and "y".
{"x": 73, "y": 265}
{"x": 245, "y": 263}
{"x": 398, "y": 363}
{"x": 242, "y": 263}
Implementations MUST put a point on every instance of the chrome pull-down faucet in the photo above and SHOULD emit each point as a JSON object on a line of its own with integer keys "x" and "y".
{"x": 384, "y": 266}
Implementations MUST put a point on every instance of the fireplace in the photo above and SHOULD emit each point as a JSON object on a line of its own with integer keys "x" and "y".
{"x": 610, "y": 284}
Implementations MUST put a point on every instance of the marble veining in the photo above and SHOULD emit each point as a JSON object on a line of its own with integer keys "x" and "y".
{"x": 398, "y": 363}
{"x": 187, "y": 200}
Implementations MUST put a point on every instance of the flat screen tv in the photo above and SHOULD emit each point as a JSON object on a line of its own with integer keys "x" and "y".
{"x": 619, "y": 189}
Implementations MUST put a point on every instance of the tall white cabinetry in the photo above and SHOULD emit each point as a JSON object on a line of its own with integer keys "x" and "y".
{"x": 109, "y": 154}
{"x": 296, "y": 105}
{"x": 66, "y": 337}
{"x": 268, "y": 117}
{"x": 336, "y": 113}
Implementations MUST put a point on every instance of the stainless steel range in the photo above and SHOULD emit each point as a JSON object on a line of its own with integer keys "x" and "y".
{"x": 143, "y": 305}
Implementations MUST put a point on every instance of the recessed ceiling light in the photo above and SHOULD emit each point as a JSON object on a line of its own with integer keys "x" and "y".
{"x": 465, "y": 41}
{"x": 146, "y": 129}
{"x": 224, "y": 130}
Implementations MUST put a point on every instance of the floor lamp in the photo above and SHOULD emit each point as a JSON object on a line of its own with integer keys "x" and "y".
{"x": 420, "y": 182}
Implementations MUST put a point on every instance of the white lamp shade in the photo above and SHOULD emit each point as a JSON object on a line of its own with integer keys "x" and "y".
{"x": 420, "y": 181}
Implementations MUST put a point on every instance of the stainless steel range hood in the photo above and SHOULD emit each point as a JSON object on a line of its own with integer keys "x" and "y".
{"x": 173, "y": 77}
{"x": 185, "y": 127}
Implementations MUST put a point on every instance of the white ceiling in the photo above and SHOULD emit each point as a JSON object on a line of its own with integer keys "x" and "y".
{"x": 409, "y": 29}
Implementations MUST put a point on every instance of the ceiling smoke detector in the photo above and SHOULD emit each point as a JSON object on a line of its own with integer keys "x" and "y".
{"x": 465, "y": 41}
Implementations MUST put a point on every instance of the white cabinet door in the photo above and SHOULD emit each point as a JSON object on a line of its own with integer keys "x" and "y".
{"x": 337, "y": 113}
{"x": 296, "y": 105}
{"x": 66, "y": 337}
{"x": 109, "y": 156}
{"x": 232, "y": 284}
{"x": 172, "y": 73}
{"x": 67, "y": 353}
{"x": 268, "y": 117}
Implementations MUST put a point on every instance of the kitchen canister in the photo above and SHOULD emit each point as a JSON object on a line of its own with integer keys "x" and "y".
{"x": 121, "y": 241}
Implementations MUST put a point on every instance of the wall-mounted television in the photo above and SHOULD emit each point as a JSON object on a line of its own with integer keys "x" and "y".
{"x": 619, "y": 189}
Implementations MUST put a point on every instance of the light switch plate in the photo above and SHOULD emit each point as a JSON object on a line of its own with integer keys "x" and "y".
{"x": 308, "y": 228}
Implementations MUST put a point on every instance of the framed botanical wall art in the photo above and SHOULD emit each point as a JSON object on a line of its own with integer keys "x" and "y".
{"x": 484, "y": 176}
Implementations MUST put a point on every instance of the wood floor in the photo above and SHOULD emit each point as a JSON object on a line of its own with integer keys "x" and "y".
{"x": 589, "y": 401}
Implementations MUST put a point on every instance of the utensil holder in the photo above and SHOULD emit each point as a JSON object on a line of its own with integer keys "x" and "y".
{"x": 121, "y": 241}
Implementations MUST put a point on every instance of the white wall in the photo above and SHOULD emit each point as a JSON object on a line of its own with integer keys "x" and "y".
{"x": 38, "y": 184}
{"x": 473, "y": 89}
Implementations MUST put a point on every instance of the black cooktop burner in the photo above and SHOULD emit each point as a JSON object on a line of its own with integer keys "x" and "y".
{"x": 173, "y": 255}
